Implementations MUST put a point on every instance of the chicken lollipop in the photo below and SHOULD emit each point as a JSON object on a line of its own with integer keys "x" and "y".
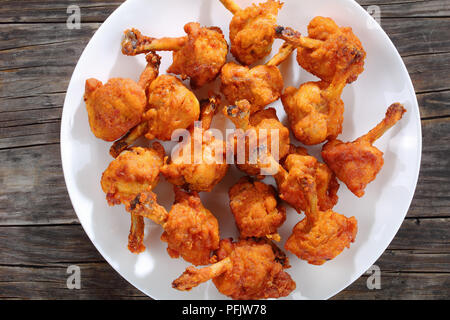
{"x": 190, "y": 230}
{"x": 321, "y": 235}
{"x": 114, "y": 107}
{"x": 327, "y": 50}
{"x": 252, "y": 30}
{"x": 132, "y": 172}
{"x": 248, "y": 269}
{"x": 200, "y": 55}
{"x": 260, "y": 85}
{"x": 170, "y": 106}
{"x": 316, "y": 110}
{"x": 296, "y": 164}
{"x": 263, "y": 133}
{"x": 357, "y": 163}
{"x": 201, "y": 162}
{"x": 256, "y": 209}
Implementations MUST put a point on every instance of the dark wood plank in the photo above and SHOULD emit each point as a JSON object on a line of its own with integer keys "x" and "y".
{"x": 98, "y": 281}
{"x": 429, "y": 235}
{"x": 400, "y": 285}
{"x": 432, "y": 196}
{"x": 429, "y": 72}
{"x": 33, "y": 189}
{"x": 46, "y": 245}
{"x": 409, "y": 8}
{"x": 434, "y": 104}
{"x": 29, "y": 11}
{"x": 418, "y": 36}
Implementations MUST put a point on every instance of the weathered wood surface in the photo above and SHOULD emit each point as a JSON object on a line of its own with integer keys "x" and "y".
{"x": 40, "y": 235}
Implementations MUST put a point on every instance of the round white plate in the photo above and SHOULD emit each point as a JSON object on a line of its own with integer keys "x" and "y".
{"x": 380, "y": 212}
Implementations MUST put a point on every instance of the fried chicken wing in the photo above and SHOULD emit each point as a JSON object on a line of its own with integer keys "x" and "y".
{"x": 170, "y": 106}
{"x": 260, "y": 85}
{"x": 357, "y": 163}
{"x": 315, "y": 110}
{"x": 199, "y": 56}
{"x": 262, "y": 133}
{"x": 190, "y": 230}
{"x": 297, "y": 164}
{"x": 252, "y": 30}
{"x": 321, "y": 235}
{"x": 248, "y": 269}
{"x": 256, "y": 209}
{"x": 328, "y": 49}
{"x": 201, "y": 162}
{"x": 114, "y": 107}
{"x": 132, "y": 172}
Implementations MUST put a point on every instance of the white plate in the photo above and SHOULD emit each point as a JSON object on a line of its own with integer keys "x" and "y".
{"x": 380, "y": 212}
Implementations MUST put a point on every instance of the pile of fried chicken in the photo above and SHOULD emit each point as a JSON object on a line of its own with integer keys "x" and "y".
{"x": 253, "y": 266}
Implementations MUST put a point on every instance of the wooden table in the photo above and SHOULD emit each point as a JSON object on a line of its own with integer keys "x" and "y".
{"x": 40, "y": 235}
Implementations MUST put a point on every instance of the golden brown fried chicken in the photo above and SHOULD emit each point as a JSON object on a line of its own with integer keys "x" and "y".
{"x": 357, "y": 163}
{"x": 260, "y": 85}
{"x": 114, "y": 107}
{"x": 171, "y": 106}
{"x": 252, "y": 30}
{"x": 256, "y": 209}
{"x": 263, "y": 133}
{"x": 321, "y": 235}
{"x": 297, "y": 164}
{"x": 327, "y": 49}
{"x": 132, "y": 172}
{"x": 190, "y": 230}
{"x": 201, "y": 162}
{"x": 315, "y": 110}
{"x": 199, "y": 56}
{"x": 248, "y": 269}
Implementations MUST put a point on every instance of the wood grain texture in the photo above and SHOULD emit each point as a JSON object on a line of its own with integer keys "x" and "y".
{"x": 40, "y": 235}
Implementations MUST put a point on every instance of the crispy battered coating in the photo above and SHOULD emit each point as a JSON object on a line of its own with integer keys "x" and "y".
{"x": 113, "y": 108}
{"x": 203, "y": 56}
{"x": 296, "y": 166}
{"x": 260, "y": 85}
{"x": 248, "y": 269}
{"x": 324, "y": 240}
{"x": 171, "y": 106}
{"x": 315, "y": 111}
{"x": 190, "y": 230}
{"x": 198, "y": 56}
{"x": 357, "y": 163}
{"x": 328, "y": 49}
{"x": 252, "y": 30}
{"x": 259, "y": 129}
{"x": 256, "y": 209}
{"x": 322, "y": 235}
{"x": 199, "y": 170}
{"x": 132, "y": 172}
{"x": 201, "y": 176}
